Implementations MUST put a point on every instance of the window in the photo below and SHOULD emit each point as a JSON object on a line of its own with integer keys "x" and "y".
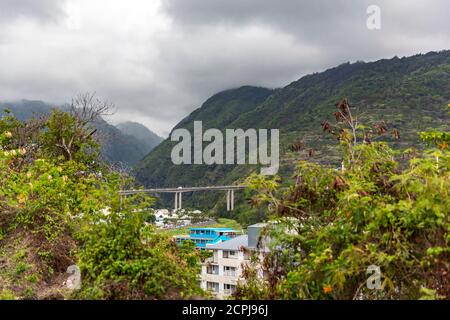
{"x": 229, "y": 271}
{"x": 211, "y": 269}
{"x": 212, "y": 286}
{"x": 230, "y": 254}
{"x": 229, "y": 288}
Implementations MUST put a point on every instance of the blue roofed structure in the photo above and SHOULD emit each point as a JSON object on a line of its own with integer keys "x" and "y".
{"x": 207, "y": 236}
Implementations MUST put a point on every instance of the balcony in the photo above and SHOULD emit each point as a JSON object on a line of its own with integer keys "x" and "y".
{"x": 212, "y": 269}
{"x": 229, "y": 289}
{"x": 212, "y": 286}
{"x": 229, "y": 273}
{"x": 228, "y": 292}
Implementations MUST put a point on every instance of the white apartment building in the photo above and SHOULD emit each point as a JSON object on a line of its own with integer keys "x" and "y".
{"x": 221, "y": 273}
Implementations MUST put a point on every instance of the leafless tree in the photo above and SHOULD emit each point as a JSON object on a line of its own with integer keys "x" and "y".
{"x": 86, "y": 110}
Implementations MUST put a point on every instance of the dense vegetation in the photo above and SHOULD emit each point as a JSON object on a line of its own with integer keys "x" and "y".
{"x": 59, "y": 206}
{"x": 333, "y": 227}
{"x": 407, "y": 91}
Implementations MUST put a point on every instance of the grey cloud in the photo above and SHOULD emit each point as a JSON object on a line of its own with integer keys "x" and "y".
{"x": 300, "y": 17}
{"x": 207, "y": 46}
{"x": 45, "y": 10}
{"x": 330, "y": 24}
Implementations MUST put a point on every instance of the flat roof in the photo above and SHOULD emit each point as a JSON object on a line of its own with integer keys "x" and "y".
{"x": 192, "y": 239}
{"x": 232, "y": 244}
{"x": 221, "y": 229}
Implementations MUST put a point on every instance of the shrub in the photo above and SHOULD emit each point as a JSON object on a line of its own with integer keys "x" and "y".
{"x": 376, "y": 211}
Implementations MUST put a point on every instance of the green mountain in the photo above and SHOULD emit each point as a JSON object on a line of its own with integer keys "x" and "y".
{"x": 217, "y": 112}
{"x": 409, "y": 93}
{"x": 117, "y": 148}
{"x": 147, "y": 138}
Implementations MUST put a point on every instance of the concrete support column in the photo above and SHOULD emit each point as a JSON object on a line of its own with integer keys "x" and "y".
{"x": 180, "y": 200}
{"x": 232, "y": 200}
{"x": 176, "y": 201}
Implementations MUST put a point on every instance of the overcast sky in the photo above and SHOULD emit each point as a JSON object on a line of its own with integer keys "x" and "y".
{"x": 159, "y": 60}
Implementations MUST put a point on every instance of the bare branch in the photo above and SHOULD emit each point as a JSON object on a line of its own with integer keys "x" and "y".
{"x": 87, "y": 108}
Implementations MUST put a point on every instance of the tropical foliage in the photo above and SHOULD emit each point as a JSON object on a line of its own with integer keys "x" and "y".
{"x": 59, "y": 206}
{"x": 381, "y": 210}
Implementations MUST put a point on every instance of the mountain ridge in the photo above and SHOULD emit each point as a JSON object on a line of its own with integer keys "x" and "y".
{"x": 147, "y": 138}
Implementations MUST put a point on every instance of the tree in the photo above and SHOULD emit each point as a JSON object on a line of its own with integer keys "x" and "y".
{"x": 72, "y": 131}
{"x": 123, "y": 258}
{"x": 437, "y": 138}
{"x": 59, "y": 206}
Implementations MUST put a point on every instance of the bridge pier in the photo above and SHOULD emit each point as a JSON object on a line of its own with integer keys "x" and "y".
{"x": 230, "y": 200}
{"x": 178, "y": 200}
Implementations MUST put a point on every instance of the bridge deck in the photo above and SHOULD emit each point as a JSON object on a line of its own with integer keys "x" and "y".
{"x": 181, "y": 189}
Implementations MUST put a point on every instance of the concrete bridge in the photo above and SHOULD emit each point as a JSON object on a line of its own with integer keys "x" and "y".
{"x": 180, "y": 190}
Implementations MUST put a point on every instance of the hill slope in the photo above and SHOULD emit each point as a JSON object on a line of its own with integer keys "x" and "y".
{"x": 217, "y": 112}
{"x": 147, "y": 138}
{"x": 408, "y": 93}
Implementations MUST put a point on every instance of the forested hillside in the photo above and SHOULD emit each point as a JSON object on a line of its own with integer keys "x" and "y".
{"x": 147, "y": 138}
{"x": 408, "y": 93}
